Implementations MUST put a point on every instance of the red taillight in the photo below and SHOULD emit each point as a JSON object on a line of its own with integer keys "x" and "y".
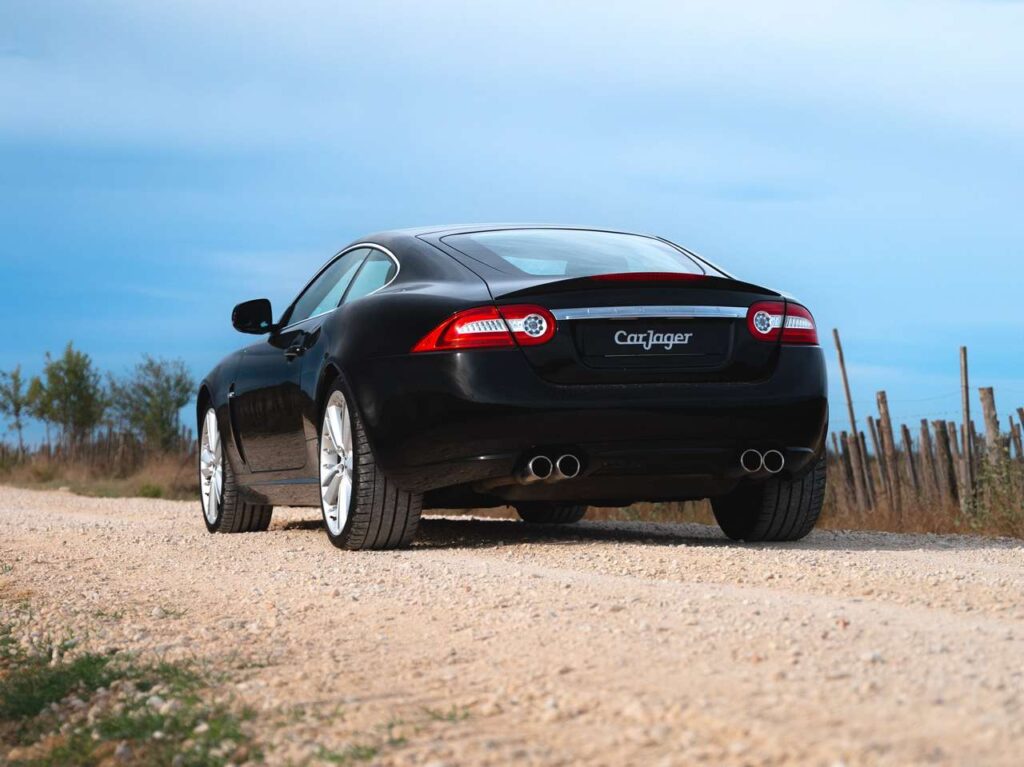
{"x": 764, "y": 320}
{"x": 648, "y": 277}
{"x": 490, "y": 327}
{"x": 799, "y": 327}
{"x": 530, "y": 325}
{"x": 768, "y": 320}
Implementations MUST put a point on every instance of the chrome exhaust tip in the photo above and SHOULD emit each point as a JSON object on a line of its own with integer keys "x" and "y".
{"x": 567, "y": 467}
{"x": 537, "y": 469}
{"x": 774, "y": 461}
{"x": 751, "y": 460}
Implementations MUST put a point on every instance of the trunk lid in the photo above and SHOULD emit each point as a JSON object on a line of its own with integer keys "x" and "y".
{"x": 628, "y": 308}
{"x": 646, "y": 331}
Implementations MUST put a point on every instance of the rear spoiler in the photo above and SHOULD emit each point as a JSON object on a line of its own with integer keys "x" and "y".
{"x": 514, "y": 287}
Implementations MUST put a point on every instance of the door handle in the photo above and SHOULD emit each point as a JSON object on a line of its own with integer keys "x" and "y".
{"x": 297, "y": 349}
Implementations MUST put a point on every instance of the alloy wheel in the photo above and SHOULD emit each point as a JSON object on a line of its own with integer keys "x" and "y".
{"x": 336, "y": 463}
{"x": 211, "y": 467}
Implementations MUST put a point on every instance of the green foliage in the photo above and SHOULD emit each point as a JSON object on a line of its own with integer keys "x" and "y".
{"x": 147, "y": 490}
{"x": 35, "y": 684}
{"x": 69, "y": 394}
{"x": 14, "y": 402}
{"x": 998, "y": 499}
{"x": 149, "y": 400}
{"x": 453, "y": 714}
{"x": 349, "y": 755}
{"x": 203, "y": 734}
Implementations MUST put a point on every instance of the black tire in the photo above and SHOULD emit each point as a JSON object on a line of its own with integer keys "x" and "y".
{"x": 776, "y": 510}
{"x": 234, "y": 514}
{"x": 550, "y": 513}
{"x": 382, "y": 515}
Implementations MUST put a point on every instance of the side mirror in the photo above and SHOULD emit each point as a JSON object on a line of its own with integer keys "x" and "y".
{"x": 254, "y": 317}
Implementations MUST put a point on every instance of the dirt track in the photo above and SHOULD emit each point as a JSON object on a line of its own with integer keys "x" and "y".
{"x": 608, "y": 643}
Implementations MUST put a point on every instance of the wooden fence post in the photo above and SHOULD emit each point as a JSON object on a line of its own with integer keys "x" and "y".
{"x": 842, "y": 451}
{"x": 852, "y": 448}
{"x": 958, "y": 464}
{"x": 889, "y": 450}
{"x": 944, "y": 461}
{"x": 929, "y": 477}
{"x": 967, "y": 451}
{"x": 1015, "y": 439}
{"x": 869, "y": 481}
{"x": 908, "y": 450}
{"x": 876, "y": 446}
{"x": 977, "y": 451}
{"x": 857, "y": 445}
{"x": 993, "y": 438}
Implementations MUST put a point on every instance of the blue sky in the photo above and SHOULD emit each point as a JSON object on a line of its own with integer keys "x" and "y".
{"x": 161, "y": 161}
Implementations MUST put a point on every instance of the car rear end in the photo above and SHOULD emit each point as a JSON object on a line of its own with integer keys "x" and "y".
{"x": 651, "y": 369}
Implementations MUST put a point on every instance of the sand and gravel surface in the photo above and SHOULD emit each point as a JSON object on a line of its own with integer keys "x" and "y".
{"x": 605, "y": 643}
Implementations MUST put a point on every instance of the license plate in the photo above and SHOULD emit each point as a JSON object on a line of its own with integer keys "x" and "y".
{"x": 639, "y": 338}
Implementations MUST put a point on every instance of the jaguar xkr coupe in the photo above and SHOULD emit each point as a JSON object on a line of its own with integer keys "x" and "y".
{"x": 544, "y": 368}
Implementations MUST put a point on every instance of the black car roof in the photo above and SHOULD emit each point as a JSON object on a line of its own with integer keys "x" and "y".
{"x": 446, "y": 229}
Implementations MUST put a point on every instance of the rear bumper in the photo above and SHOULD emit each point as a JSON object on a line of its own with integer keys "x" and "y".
{"x": 462, "y": 419}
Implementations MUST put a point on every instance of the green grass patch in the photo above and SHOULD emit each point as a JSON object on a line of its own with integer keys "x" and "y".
{"x": 159, "y": 710}
{"x": 148, "y": 490}
{"x": 452, "y": 715}
{"x": 26, "y": 691}
{"x": 349, "y": 755}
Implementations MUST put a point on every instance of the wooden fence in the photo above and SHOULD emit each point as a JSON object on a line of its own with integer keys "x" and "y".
{"x": 897, "y": 470}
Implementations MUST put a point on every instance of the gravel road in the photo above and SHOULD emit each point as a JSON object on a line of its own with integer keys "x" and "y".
{"x": 606, "y": 643}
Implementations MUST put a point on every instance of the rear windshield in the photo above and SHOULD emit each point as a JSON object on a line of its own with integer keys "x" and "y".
{"x": 572, "y": 252}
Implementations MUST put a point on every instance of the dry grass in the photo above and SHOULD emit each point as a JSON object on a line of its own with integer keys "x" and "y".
{"x": 170, "y": 476}
{"x": 996, "y": 509}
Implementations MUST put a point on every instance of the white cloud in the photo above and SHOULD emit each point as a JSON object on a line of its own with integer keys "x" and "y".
{"x": 249, "y": 73}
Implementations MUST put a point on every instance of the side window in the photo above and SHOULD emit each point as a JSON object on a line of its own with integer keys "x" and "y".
{"x": 376, "y": 271}
{"x": 326, "y": 291}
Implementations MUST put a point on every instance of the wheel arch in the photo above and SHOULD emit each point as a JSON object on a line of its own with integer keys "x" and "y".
{"x": 330, "y": 373}
{"x": 203, "y": 401}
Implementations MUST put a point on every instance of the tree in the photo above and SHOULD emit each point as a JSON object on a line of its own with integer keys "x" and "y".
{"x": 150, "y": 399}
{"x": 14, "y": 403}
{"x": 69, "y": 394}
{"x": 35, "y": 400}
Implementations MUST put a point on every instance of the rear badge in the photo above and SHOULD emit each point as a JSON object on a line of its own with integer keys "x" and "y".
{"x": 649, "y": 339}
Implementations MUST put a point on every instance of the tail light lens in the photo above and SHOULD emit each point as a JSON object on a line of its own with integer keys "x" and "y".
{"x": 530, "y": 325}
{"x": 491, "y": 327}
{"x": 764, "y": 320}
{"x": 772, "y": 320}
{"x": 799, "y": 327}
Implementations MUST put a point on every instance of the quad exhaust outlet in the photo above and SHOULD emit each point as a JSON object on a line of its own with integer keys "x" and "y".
{"x": 566, "y": 467}
{"x": 540, "y": 468}
{"x": 771, "y": 461}
{"x": 537, "y": 469}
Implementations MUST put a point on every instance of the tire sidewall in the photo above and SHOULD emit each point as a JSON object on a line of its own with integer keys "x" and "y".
{"x": 339, "y": 386}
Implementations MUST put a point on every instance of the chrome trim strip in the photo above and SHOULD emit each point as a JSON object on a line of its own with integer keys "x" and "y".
{"x": 648, "y": 312}
{"x": 335, "y": 257}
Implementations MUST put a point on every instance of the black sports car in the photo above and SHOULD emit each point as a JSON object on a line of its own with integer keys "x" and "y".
{"x": 546, "y": 368}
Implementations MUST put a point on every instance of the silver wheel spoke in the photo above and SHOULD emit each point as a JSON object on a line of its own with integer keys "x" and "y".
{"x": 337, "y": 430}
{"x": 331, "y": 492}
{"x": 328, "y": 475}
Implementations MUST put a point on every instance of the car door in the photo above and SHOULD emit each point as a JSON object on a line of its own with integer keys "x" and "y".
{"x": 267, "y": 400}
